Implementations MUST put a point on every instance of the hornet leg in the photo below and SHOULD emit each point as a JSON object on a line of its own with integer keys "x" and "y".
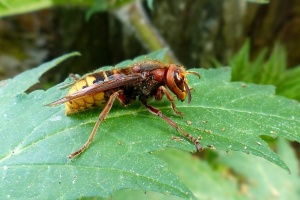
{"x": 173, "y": 124}
{"x": 101, "y": 118}
{"x": 162, "y": 90}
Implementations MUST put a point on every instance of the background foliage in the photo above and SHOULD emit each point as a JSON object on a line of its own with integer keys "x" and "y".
{"x": 266, "y": 70}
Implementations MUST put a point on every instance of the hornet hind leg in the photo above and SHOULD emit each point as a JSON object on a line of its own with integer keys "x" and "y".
{"x": 101, "y": 118}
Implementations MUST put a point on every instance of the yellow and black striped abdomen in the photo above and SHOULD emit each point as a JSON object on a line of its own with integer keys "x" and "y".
{"x": 84, "y": 102}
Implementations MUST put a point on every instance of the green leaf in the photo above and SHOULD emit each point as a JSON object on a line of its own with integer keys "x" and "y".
{"x": 150, "y": 4}
{"x": 263, "y": 180}
{"x": 247, "y": 177}
{"x": 259, "y": 1}
{"x": 204, "y": 181}
{"x": 237, "y": 114}
{"x": 38, "y": 139}
{"x": 228, "y": 116}
{"x": 24, "y": 81}
{"x": 104, "y": 5}
{"x": 13, "y": 7}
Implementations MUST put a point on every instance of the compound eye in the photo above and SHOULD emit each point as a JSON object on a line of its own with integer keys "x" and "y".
{"x": 178, "y": 80}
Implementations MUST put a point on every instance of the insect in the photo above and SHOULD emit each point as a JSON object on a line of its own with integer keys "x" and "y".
{"x": 141, "y": 81}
